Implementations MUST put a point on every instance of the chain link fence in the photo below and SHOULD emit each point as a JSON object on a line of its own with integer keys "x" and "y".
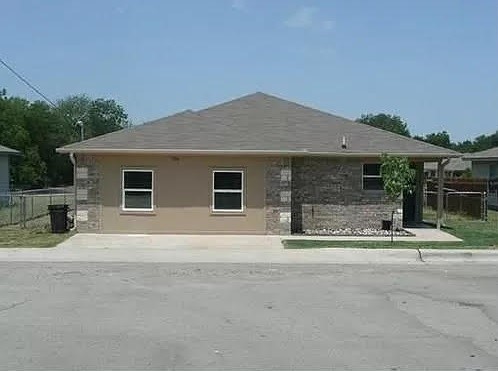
{"x": 23, "y": 207}
{"x": 471, "y": 204}
{"x": 465, "y": 197}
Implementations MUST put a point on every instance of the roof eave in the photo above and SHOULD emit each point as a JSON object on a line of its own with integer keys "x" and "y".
{"x": 484, "y": 158}
{"x": 247, "y": 152}
{"x": 11, "y": 153}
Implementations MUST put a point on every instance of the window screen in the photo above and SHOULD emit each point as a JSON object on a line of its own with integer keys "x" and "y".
{"x": 228, "y": 190}
{"x": 372, "y": 180}
{"x": 137, "y": 190}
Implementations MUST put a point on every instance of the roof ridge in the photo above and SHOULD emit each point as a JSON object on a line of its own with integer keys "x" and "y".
{"x": 259, "y": 122}
{"x": 341, "y": 118}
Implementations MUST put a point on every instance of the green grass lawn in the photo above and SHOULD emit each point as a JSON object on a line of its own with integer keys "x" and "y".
{"x": 14, "y": 236}
{"x": 475, "y": 235}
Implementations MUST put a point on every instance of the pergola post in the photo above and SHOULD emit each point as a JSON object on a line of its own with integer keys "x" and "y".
{"x": 440, "y": 192}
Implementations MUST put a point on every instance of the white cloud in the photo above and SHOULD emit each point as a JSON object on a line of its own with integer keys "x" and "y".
{"x": 307, "y": 17}
{"x": 302, "y": 18}
{"x": 327, "y": 25}
{"x": 239, "y": 4}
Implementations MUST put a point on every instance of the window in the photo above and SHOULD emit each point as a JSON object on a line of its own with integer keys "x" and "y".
{"x": 228, "y": 190}
{"x": 493, "y": 171}
{"x": 137, "y": 190}
{"x": 372, "y": 180}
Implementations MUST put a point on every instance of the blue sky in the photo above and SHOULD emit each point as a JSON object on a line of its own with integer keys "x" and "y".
{"x": 433, "y": 62}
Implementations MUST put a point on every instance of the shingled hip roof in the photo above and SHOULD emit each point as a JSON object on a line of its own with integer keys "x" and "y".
{"x": 489, "y": 154}
{"x": 257, "y": 124}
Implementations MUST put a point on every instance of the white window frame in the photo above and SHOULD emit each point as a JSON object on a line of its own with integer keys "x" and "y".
{"x": 241, "y": 191}
{"x": 124, "y": 190}
{"x": 363, "y": 176}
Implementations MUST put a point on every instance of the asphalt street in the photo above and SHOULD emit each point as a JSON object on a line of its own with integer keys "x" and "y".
{"x": 148, "y": 316}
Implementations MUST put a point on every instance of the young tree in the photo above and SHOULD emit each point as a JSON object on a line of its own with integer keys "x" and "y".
{"x": 398, "y": 178}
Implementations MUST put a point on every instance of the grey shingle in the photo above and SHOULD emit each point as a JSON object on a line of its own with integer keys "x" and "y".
{"x": 259, "y": 123}
{"x": 455, "y": 164}
{"x": 490, "y": 154}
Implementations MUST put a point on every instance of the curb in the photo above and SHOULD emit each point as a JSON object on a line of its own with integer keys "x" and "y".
{"x": 467, "y": 256}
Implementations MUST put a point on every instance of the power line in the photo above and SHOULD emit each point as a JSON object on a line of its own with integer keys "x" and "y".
{"x": 31, "y": 86}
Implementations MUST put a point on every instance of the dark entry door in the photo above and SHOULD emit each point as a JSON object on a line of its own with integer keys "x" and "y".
{"x": 408, "y": 208}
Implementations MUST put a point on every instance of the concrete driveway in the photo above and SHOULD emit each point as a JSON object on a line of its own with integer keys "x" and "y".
{"x": 172, "y": 241}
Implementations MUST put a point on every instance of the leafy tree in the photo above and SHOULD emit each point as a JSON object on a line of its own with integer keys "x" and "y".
{"x": 441, "y": 139}
{"x": 31, "y": 170}
{"x": 98, "y": 116}
{"x": 398, "y": 177}
{"x": 387, "y": 122}
{"x": 465, "y": 146}
{"x": 36, "y": 129}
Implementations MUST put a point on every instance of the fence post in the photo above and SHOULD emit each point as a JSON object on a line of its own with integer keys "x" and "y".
{"x": 22, "y": 211}
{"x": 484, "y": 198}
{"x": 11, "y": 207}
{"x": 446, "y": 209}
{"x": 32, "y": 206}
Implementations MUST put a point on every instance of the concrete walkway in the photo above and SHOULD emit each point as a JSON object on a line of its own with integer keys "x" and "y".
{"x": 235, "y": 242}
{"x": 227, "y": 249}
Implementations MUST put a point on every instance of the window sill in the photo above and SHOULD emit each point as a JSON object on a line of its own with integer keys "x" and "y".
{"x": 138, "y": 212}
{"x": 228, "y": 213}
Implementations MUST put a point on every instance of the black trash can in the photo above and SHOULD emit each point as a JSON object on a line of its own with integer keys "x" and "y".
{"x": 386, "y": 225}
{"x": 58, "y": 218}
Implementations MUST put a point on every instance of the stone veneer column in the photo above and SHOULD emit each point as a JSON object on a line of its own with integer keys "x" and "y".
{"x": 88, "y": 203}
{"x": 278, "y": 196}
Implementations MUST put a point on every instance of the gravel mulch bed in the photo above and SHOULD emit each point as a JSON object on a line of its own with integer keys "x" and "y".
{"x": 356, "y": 232}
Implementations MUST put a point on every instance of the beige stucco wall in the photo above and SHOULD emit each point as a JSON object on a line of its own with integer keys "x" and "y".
{"x": 182, "y": 195}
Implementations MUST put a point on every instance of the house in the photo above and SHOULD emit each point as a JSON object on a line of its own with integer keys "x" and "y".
{"x": 257, "y": 164}
{"x": 484, "y": 163}
{"x": 5, "y": 154}
{"x": 456, "y": 168}
{"x": 485, "y": 166}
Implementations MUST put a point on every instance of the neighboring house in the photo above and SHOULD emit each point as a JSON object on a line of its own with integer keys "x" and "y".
{"x": 5, "y": 154}
{"x": 484, "y": 163}
{"x": 258, "y": 164}
{"x": 485, "y": 166}
{"x": 456, "y": 168}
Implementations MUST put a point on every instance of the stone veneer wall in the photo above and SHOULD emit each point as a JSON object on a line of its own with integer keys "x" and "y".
{"x": 88, "y": 202}
{"x": 327, "y": 193}
{"x": 278, "y": 179}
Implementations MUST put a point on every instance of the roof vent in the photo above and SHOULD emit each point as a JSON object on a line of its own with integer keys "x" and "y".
{"x": 344, "y": 145}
